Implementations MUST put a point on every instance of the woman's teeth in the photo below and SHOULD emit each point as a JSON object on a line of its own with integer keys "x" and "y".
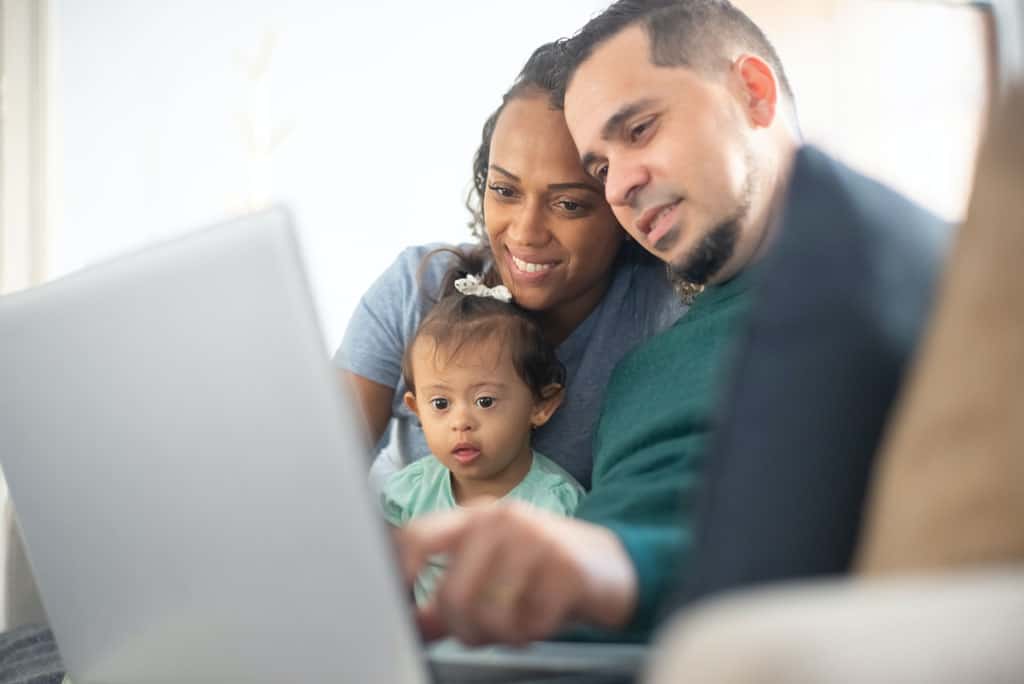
{"x": 528, "y": 267}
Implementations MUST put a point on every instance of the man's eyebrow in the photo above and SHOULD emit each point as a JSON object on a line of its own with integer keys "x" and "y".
{"x": 505, "y": 172}
{"x": 614, "y": 123}
{"x": 627, "y": 111}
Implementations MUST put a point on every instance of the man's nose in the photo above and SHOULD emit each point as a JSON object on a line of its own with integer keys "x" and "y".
{"x": 624, "y": 180}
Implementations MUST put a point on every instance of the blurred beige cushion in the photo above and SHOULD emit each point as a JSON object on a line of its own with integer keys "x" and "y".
{"x": 949, "y": 489}
{"x": 947, "y": 628}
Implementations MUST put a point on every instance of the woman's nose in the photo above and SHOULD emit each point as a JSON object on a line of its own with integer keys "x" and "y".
{"x": 528, "y": 227}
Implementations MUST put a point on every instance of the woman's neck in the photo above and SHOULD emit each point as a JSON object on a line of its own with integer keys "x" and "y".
{"x": 560, "y": 322}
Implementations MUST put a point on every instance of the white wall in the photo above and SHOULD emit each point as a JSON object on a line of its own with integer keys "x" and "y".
{"x": 364, "y": 117}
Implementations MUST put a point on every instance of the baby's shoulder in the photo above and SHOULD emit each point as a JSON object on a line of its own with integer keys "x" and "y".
{"x": 420, "y": 487}
{"x": 552, "y": 487}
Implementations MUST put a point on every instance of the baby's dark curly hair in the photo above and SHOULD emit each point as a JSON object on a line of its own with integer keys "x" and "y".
{"x": 457, "y": 321}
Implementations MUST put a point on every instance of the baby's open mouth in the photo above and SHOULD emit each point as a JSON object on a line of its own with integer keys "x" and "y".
{"x": 465, "y": 453}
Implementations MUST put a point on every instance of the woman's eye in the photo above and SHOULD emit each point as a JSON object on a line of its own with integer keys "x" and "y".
{"x": 439, "y": 403}
{"x": 601, "y": 173}
{"x": 501, "y": 190}
{"x": 485, "y": 402}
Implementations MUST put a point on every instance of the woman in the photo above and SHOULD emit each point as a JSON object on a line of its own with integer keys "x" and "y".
{"x": 555, "y": 244}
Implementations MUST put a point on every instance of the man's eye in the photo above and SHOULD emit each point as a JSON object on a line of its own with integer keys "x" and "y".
{"x": 570, "y": 205}
{"x": 439, "y": 403}
{"x": 485, "y": 402}
{"x": 637, "y": 132}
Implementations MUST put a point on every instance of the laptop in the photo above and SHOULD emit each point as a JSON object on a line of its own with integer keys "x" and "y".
{"x": 190, "y": 481}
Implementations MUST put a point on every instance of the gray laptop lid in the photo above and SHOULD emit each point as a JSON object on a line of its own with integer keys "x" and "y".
{"x": 189, "y": 480}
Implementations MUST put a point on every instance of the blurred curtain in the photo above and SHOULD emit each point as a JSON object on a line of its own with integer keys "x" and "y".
{"x": 26, "y": 198}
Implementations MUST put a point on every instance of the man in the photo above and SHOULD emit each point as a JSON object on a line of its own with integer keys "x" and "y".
{"x": 683, "y": 110}
{"x": 694, "y": 159}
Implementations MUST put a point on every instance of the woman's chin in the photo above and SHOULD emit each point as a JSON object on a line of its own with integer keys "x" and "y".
{"x": 532, "y": 300}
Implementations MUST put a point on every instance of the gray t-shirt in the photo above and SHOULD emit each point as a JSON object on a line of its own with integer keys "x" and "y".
{"x": 639, "y": 303}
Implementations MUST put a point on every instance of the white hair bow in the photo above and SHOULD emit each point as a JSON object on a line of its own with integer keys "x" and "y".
{"x": 474, "y": 285}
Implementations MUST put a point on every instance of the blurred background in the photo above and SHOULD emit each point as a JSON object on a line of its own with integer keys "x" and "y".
{"x": 127, "y": 122}
{"x": 123, "y": 123}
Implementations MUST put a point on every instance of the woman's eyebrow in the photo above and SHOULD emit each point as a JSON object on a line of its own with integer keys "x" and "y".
{"x": 556, "y": 187}
{"x": 576, "y": 186}
{"x": 505, "y": 172}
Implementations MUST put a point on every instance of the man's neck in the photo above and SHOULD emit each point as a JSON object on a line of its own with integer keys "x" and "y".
{"x": 766, "y": 216}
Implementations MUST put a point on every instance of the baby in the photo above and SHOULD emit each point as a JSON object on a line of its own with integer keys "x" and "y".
{"x": 480, "y": 376}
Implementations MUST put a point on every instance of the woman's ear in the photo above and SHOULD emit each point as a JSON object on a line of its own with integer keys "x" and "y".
{"x": 410, "y": 402}
{"x": 551, "y": 399}
{"x": 760, "y": 89}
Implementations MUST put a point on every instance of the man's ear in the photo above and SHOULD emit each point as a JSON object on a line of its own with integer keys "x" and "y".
{"x": 760, "y": 89}
{"x": 551, "y": 399}
{"x": 410, "y": 402}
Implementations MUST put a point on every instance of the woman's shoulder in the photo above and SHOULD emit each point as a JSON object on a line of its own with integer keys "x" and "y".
{"x": 410, "y": 259}
{"x": 424, "y": 266}
{"x": 410, "y": 274}
{"x": 637, "y": 263}
{"x": 643, "y": 281}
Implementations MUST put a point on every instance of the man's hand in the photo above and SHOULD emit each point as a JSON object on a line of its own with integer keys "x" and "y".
{"x": 517, "y": 574}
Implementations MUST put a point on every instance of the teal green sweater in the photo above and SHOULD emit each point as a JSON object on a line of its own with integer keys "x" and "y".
{"x": 649, "y": 444}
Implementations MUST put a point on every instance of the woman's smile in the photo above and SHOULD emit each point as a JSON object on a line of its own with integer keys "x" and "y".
{"x": 528, "y": 269}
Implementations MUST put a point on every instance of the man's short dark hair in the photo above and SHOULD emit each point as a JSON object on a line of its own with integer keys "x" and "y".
{"x": 696, "y": 34}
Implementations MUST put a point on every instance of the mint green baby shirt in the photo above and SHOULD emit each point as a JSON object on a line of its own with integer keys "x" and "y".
{"x": 425, "y": 486}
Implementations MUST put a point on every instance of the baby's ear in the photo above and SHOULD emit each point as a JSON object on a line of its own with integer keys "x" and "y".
{"x": 551, "y": 399}
{"x": 410, "y": 402}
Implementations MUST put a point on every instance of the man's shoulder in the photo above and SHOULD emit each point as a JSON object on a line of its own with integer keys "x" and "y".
{"x": 823, "y": 188}
{"x": 695, "y": 332}
{"x": 860, "y": 240}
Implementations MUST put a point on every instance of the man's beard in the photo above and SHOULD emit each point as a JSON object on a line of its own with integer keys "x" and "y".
{"x": 706, "y": 259}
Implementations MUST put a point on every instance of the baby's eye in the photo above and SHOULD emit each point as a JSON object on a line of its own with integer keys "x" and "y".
{"x": 439, "y": 403}
{"x": 485, "y": 402}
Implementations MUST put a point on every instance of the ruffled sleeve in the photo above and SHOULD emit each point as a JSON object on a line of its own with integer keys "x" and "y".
{"x": 566, "y": 497}
{"x": 398, "y": 496}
